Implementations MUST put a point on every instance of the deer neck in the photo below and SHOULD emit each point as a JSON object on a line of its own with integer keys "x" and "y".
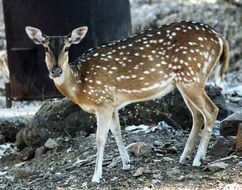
{"x": 67, "y": 83}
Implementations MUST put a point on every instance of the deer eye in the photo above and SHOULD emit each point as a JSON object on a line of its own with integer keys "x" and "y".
{"x": 66, "y": 49}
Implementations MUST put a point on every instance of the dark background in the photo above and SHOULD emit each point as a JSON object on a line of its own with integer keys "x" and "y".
{"x": 107, "y": 21}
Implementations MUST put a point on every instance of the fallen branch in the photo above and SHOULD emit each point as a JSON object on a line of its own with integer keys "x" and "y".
{"x": 224, "y": 159}
{"x": 91, "y": 160}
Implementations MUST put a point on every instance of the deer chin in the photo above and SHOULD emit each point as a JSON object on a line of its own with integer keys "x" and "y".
{"x": 58, "y": 80}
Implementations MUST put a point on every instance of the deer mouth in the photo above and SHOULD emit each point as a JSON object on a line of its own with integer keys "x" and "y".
{"x": 55, "y": 72}
{"x": 52, "y": 76}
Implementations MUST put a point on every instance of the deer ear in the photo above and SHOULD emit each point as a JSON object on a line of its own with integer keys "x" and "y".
{"x": 78, "y": 34}
{"x": 35, "y": 34}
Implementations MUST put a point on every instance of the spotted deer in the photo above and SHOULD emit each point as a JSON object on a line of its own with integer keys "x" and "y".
{"x": 142, "y": 67}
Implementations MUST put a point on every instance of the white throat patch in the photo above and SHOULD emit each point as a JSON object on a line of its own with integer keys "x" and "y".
{"x": 59, "y": 80}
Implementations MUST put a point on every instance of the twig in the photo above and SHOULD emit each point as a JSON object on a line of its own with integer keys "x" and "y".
{"x": 67, "y": 132}
{"x": 89, "y": 161}
{"x": 115, "y": 162}
{"x": 224, "y": 159}
{"x": 170, "y": 121}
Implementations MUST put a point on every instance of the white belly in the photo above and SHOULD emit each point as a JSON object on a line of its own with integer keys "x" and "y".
{"x": 160, "y": 92}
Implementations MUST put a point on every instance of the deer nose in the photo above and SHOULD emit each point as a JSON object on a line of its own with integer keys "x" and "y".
{"x": 56, "y": 71}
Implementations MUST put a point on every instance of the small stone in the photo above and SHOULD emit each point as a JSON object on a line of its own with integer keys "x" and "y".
{"x": 232, "y": 186}
{"x": 166, "y": 145}
{"x": 159, "y": 155}
{"x": 3, "y": 173}
{"x": 213, "y": 167}
{"x": 60, "y": 188}
{"x": 222, "y": 147}
{"x": 147, "y": 171}
{"x": 229, "y": 125}
{"x": 114, "y": 178}
{"x": 181, "y": 178}
{"x": 27, "y": 153}
{"x": 39, "y": 152}
{"x": 148, "y": 188}
{"x": 84, "y": 185}
{"x": 145, "y": 150}
{"x": 42, "y": 174}
{"x": 239, "y": 164}
{"x": 2, "y": 139}
{"x": 173, "y": 173}
{"x": 160, "y": 151}
{"x": 19, "y": 164}
{"x": 51, "y": 143}
{"x": 157, "y": 143}
{"x": 23, "y": 173}
{"x": 168, "y": 159}
{"x": 139, "y": 149}
{"x": 139, "y": 172}
{"x": 157, "y": 176}
{"x": 172, "y": 149}
{"x": 47, "y": 175}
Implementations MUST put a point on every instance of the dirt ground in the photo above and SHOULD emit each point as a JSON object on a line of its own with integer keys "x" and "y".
{"x": 71, "y": 165}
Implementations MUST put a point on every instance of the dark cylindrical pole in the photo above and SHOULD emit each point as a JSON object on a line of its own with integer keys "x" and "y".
{"x": 8, "y": 95}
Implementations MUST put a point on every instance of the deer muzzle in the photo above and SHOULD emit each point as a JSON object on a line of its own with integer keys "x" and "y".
{"x": 56, "y": 72}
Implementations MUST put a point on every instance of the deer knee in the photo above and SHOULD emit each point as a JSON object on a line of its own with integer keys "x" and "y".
{"x": 211, "y": 116}
{"x": 214, "y": 112}
{"x": 199, "y": 116}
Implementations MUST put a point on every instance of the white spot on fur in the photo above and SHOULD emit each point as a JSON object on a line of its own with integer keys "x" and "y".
{"x": 98, "y": 82}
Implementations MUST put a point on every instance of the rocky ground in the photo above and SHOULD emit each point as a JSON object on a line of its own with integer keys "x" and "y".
{"x": 67, "y": 163}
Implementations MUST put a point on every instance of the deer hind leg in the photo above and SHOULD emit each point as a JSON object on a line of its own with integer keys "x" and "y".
{"x": 104, "y": 121}
{"x": 209, "y": 111}
{"x": 116, "y": 131}
{"x": 196, "y": 127}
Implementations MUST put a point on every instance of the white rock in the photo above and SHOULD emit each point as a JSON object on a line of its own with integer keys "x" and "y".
{"x": 51, "y": 143}
{"x": 217, "y": 166}
{"x": 168, "y": 159}
{"x": 139, "y": 172}
{"x": 232, "y": 186}
{"x": 239, "y": 164}
{"x": 3, "y": 173}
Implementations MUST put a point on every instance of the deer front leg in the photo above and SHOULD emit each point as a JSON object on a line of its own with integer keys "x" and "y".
{"x": 116, "y": 131}
{"x": 104, "y": 120}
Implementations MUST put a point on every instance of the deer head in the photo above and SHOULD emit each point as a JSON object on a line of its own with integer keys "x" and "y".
{"x": 56, "y": 47}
